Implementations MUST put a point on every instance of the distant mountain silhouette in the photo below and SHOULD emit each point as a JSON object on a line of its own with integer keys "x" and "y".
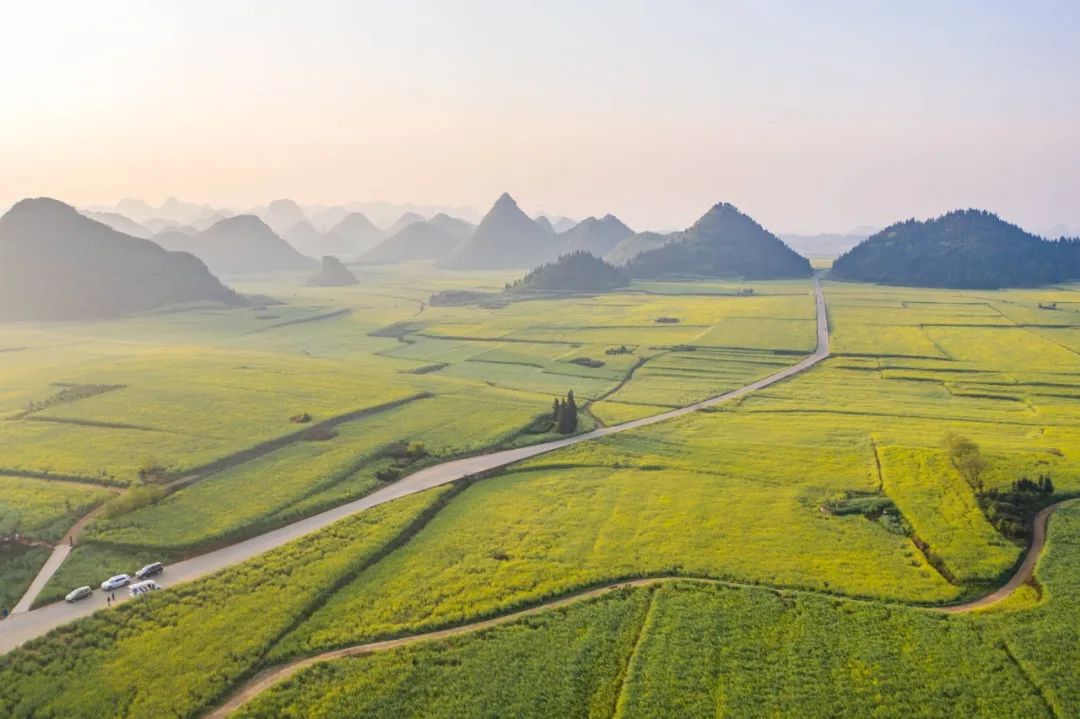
{"x": 545, "y": 224}
{"x": 562, "y": 224}
{"x": 402, "y": 222}
{"x": 157, "y": 225}
{"x": 282, "y": 215}
{"x": 574, "y": 272}
{"x": 135, "y": 209}
{"x": 238, "y": 245}
{"x": 332, "y": 273}
{"x": 358, "y": 232}
{"x": 57, "y": 264}
{"x": 458, "y": 228}
{"x": 506, "y": 238}
{"x": 634, "y": 245}
{"x": 120, "y": 223}
{"x": 969, "y": 249}
{"x": 723, "y": 243}
{"x": 309, "y": 241}
{"x": 419, "y": 241}
{"x": 594, "y": 236}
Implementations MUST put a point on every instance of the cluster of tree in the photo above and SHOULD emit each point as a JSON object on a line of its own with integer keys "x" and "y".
{"x": 723, "y": 243}
{"x": 1011, "y": 510}
{"x": 969, "y": 249}
{"x": 564, "y": 414}
{"x": 574, "y": 272}
{"x": 620, "y": 350}
{"x": 966, "y": 457}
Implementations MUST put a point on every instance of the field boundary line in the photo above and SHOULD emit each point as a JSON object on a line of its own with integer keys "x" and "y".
{"x": 631, "y": 659}
{"x": 1030, "y": 679}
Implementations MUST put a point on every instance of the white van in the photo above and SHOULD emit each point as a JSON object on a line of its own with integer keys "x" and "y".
{"x": 140, "y": 588}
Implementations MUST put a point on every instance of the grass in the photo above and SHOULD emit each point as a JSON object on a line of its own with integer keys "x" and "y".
{"x": 740, "y": 493}
{"x": 705, "y": 650}
{"x": 178, "y": 650}
{"x": 18, "y": 566}
{"x": 562, "y": 663}
{"x": 42, "y": 509}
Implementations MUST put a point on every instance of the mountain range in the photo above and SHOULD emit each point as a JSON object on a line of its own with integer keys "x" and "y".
{"x": 418, "y": 241}
{"x": 506, "y": 238}
{"x": 243, "y": 244}
{"x": 57, "y": 264}
{"x": 595, "y": 236}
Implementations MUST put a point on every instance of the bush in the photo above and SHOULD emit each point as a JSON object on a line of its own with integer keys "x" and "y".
{"x": 135, "y": 497}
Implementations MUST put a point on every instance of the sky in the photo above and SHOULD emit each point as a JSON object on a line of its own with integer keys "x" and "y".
{"x": 812, "y": 117}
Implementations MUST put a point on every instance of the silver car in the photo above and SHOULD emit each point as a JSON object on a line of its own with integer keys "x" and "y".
{"x": 76, "y": 594}
{"x": 115, "y": 582}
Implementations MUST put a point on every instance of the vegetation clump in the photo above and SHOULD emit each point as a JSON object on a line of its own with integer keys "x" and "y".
{"x": 587, "y": 362}
{"x": 574, "y": 272}
{"x": 1011, "y": 510}
{"x": 620, "y": 350}
{"x": 564, "y": 414}
{"x": 667, "y": 320}
{"x": 68, "y": 393}
{"x": 302, "y": 418}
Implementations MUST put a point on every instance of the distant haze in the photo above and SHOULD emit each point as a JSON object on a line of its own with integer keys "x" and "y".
{"x": 812, "y": 117}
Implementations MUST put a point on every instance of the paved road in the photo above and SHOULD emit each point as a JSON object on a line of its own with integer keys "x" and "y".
{"x": 23, "y": 627}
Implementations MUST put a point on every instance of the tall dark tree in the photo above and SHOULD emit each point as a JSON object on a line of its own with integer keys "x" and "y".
{"x": 567, "y": 420}
{"x": 555, "y": 410}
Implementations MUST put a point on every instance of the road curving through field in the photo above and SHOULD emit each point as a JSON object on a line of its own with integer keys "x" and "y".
{"x": 22, "y": 627}
{"x": 271, "y": 676}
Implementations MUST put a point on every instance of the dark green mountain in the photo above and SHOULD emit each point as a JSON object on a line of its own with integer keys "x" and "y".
{"x": 723, "y": 243}
{"x": 575, "y": 272}
{"x": 506, "y": 238}
{"x": 968, "y": 249}
{"x": 238, "y": 245}
{"x": 635, "y": 244}
{"x": 57, "y": 264}
{"x": 595, "y": 236}
{"x": 419, "y": 241}
{"x": 332, "y": 273}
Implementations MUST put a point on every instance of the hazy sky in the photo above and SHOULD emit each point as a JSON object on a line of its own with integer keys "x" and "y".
{"x": 809, "y": 116}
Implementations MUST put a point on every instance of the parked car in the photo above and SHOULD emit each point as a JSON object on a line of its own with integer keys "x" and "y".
{"x": 76, "y": 594}
{"x": 140, "y": 588}
{"x": 115, "y": 582}
{"x": 150, "y": 570}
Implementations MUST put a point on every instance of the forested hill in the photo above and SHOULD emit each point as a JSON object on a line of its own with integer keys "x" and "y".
{"x": 575, "y": 272}
{"x": 966, "y": 249}
{"x": 723, "y": 243}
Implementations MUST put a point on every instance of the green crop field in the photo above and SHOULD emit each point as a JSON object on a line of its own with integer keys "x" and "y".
{"x": 829, "y": 504}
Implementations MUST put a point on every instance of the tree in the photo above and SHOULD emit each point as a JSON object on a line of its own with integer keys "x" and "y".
{"x": 967, "y": 458}
{"x": 566, "y": 422}
{"x": 555, "y": 410}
